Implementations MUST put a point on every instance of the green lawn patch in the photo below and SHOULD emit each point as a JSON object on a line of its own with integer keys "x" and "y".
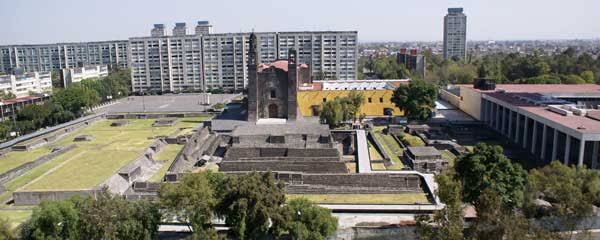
{"x": 412, "y": 141}
{"x": 92, "y": 162}
{"x": 167, "y": 156}
{"x": 448, "y": 156}
{"x": 14, "y": 159}
{"x": 15, "y": 217}
{"x": 401, "y": 198}
{"x": 392, "y": 148}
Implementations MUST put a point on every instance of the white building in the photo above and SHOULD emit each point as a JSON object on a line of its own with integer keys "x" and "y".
{"x": 48, "y": 57}
{"x": 22, "y": 85}
{"x": 455, "y": 34}
{"x": 204, "y": 28}
{"x": 73, "y": 75}
{"x": 209, "y": 61}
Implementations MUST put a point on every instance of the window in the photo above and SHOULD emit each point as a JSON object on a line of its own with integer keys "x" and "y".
{"x": 370, "y": 100}
{"x": 324, "y": 99}
{"x": 380, "y": 100}
{"x": 273, "y": 93}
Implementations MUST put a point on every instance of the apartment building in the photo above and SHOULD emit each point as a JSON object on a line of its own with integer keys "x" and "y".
{"x": 455, "y": 34}
{"x": 23, "y": 84}
{"x": 48, "y": 57}
{"x": 73, "y": 75}
{"x": 211, "y": 61}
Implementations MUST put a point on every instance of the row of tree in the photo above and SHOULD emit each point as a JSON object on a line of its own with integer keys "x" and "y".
{"x": 69, "y": 103}
{"x": 547, "y": 203}
{"x": 567, "y": 67}
{"x": 253, "y": 206}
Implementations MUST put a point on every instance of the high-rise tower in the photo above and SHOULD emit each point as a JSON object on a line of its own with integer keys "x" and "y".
{"x": 455, "y": 34}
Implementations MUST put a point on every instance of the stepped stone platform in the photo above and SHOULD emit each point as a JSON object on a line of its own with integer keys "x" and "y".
{"x": 294, "y": 146}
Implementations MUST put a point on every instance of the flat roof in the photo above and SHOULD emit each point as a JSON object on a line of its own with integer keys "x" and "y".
{"x": 582, "y": 124}
{"x": 542, "y": 88}
{"x": 423, "y": 151}
{"x": 290, "y": 128}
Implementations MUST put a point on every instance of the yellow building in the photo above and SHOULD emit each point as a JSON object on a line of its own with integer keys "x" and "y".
{"x": 377, "y": 95}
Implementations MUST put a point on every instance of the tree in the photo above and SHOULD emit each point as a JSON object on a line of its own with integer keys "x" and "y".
{"x": 76, "y": 98}
{"x": 249, "y": 202}
{"x": 191, "y": 201}
{"x": 588, "y": 76}
{"x": 53, "y": 220}
{"x": 112, "y": 217}
{"x": 37, "y": 114}
{"x": 5, "y": 95}
{"x": 570, "y": 191}
{"x": 341, "y": 109}
{"x": 416, "y": 99}
{"x": 309, "y": 221}
{"x": 448, "y": 223}
{"x": 486, "y": 167}
{"x": 6, "y": 232}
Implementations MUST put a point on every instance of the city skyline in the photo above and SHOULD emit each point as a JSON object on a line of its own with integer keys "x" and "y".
{"x": 72, "y": 21}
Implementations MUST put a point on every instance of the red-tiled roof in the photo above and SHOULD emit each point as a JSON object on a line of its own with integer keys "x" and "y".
{"x": 18, "y": 100}
{"x": 281, "y": 64}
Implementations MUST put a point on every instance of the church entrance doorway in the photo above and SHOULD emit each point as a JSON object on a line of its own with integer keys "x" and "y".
{"x": 273, "y": 111}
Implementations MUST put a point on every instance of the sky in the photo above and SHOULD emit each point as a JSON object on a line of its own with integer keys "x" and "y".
{"x": 51, "y": 21}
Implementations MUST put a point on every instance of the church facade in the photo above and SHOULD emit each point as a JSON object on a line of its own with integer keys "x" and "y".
{"x": 273, "y": 88}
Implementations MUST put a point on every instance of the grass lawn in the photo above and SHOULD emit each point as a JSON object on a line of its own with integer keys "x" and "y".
{"x": 14, "y": 159}
{"x": 448, "y": 156}
{"x": 413, "y": 141}
{"x": 15, "y": 217}
{"x": 167, "y": 155}
{"x": 392, "y": 148}
{"x": 402, "y": 198}
{"x": 92, "y": 162}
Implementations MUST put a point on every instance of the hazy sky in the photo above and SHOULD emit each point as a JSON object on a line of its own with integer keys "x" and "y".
{"x": 49, "y": 21}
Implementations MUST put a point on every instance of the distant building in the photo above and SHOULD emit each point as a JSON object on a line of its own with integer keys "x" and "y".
{"x": 23, "y": 84}
{"x": 412, "y": 61}
{"x": 455, "y": 34}
{"x": 551, "y": 121}
{"x": 204, "y": 28}
{"x": 73, "y": 75}
{"x": 158, "y": 30}
{"x": 11, "y": 107}
{"x": 377, "y": 95}
{"x": 180, "y": 29}
{"x": 219, "y": 61}
{"x": 49, "y": 57}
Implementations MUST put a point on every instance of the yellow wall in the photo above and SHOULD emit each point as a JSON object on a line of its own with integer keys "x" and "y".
{"x": 306, "y": 99}
{"x": 470, "y": 102}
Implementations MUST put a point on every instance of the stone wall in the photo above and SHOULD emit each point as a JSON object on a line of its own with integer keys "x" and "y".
{"x": 25, "y": 198}
{"x": 387, "y": 161}
{"x": 284, "y": 165}
{"x": 20, "y": 170}
{"x": 372, "y": 180}
{"x": 154, "y": 115}
{"x": 235, "y": 153}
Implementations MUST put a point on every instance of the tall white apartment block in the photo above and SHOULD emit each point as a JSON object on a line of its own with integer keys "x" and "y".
{"x": 74, "y": 75}
{"x": 166, "y": 64}
{"x": 180, "y": 29}
{"x": 158, "y": 30}
{"x": 219, "y": 60}
{"x": 455, "y": 34}
{"x": 48, "y": 57}
{"x": 23, "y": 84}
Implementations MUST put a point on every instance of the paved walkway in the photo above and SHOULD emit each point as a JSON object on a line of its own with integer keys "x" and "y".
{"x": 364, "y": 161}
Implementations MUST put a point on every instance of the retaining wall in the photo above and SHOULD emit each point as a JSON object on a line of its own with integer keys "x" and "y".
{"x": 20, "y": 170}
{"x": 387, "y": 161}
{"x": 23, "y": 198}
{"x": 154, "y": 115}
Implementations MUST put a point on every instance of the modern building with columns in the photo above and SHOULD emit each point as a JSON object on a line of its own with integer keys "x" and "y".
{"x": 551, "y": 121}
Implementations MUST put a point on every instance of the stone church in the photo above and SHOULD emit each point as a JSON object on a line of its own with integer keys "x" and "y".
{"x": 272, "y": 88}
